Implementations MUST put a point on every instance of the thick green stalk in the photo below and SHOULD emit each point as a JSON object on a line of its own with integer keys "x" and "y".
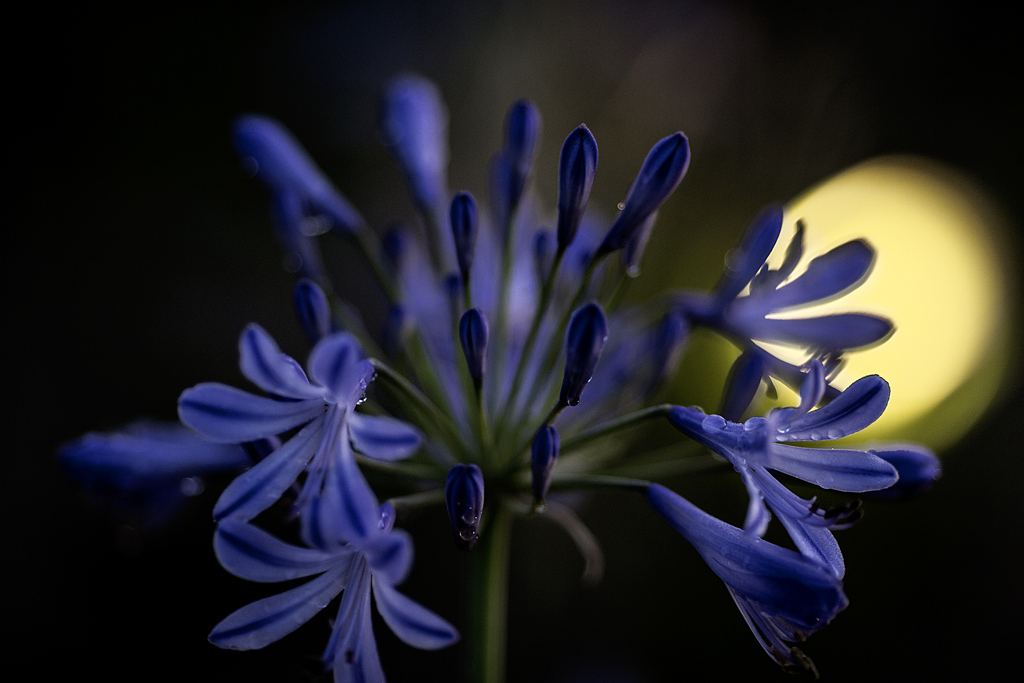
{"x": 488, "y": 604}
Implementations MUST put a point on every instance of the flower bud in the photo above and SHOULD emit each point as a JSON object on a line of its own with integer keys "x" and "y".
{"x": 522, "y": 132}
{"x": 464, "y": 222}
{"x": 917, "y": 467}
{"x": 577, "y": 165}
{"x": 464, "y": 496}
{"x": 414, "y": 124}
{"x": 660, "y": 174}
{"x": 313, "y": 310}
{"x": 588, "y": 331}
{"x": 544, "y": 454}
{"x": 473, "y": 333}
{"x": 280, "y": 161}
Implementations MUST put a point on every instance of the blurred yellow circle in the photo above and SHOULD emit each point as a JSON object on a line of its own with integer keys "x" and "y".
{"x": 939, "y": 274}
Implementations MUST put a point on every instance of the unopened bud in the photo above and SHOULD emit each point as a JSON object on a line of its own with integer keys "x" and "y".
{"x": 464, "y": 496}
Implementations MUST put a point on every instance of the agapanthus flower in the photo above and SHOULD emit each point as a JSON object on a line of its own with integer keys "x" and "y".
{"x": 745, "y": 318}
{"x": 325, "y": 410}
{"x": 783, "y": 596}
{"x": 762, "y": 443}
{"x": 374, "y": 561}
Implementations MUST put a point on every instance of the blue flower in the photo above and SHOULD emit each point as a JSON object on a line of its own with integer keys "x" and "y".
{"x": 148, "y": 467}
{"x": 373, "y": 562}
{"x": 783, "y": 596}
{"x": 745, "y": 318}
{"x": 760, "y": 444}
{"x": 330, "y": 428}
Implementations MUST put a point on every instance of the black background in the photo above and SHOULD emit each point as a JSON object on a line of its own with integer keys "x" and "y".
{"x": 138, "y": 250}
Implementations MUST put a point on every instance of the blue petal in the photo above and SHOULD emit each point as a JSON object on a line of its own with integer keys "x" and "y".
{"x": 786, "y": 586}
{"x": 265, "y": 621}
{"x": 740, "y": 388}
{"x": 811, "y": 389}
{"x": 757, "y": 517}
{"x": 265, "y": 366}
{"x": 833, "y": 468}
{"x": 817, "y": 543}
{"x": 826, "y": 277}
{"x": 860, "y": 405}
{"x": 346, "y": 509}
{"x": 413, "y": 623}
{"x": 336, "y": 363}
{"x": 831, "y": 332}
{"x": 383, "y": 438}
{"x": 251, "y": 553}
{"x": 743, "y": 262}
{"x": 226, "y": 414}
{"x": 254, "y": 491}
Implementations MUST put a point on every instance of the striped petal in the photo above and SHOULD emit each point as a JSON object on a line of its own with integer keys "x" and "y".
{"x": 229, "y": 415}
{"x": 856, "y": 408}
{"x": 382, "y": 438}
{"x": 260, "y": 623}
{"x": 832, "y": 332}
{"x": 265, "y": 366}
{"x": 743, "y": 262}
{"x": 254, "y": 491}
{"x": 826, "y": 277}
{"x": 337, "y": 363}
{"x": 413, "y": 623}
{"x": 833, "y": 468}
{"x": 251, "y": 553}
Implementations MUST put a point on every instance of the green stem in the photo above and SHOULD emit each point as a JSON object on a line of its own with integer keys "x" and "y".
{"x": 489, "y": 600}
{"x": 368, "y": 246}
{"x": 597, "y": 480}
{"x": 615, "y": 425}
{"x": 439, "y": 420}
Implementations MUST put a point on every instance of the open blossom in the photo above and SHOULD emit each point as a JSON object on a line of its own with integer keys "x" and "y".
{"x": 748, "y": 317}
{"x": 371, "y": 563}
{"x": 783, "y": 596}
{"x": 325, "y": 410}
{"x": 761, "y": 444}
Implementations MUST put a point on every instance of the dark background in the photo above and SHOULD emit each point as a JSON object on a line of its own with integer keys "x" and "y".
{"x": 140, "y": 250}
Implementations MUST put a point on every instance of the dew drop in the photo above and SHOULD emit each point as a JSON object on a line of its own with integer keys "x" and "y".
{"x": 834, "y": 433}
{"x": 467, "y": 535}
{"x": 293, "y": 263}
{"x": 250, "y": 166}
{"x": 713, "y": 423}
{"x": 824, "y": 480}
{"x": 191, "y": 486}
{"x": 620, "y": 206}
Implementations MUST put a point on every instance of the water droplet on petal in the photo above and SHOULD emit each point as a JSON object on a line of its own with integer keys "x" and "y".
{"x": 834, "y": 433}
{"x": 824, "y": 480}
{"x": 713, "y": 423}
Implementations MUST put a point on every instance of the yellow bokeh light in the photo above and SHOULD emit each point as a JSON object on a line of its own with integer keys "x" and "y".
{"x": 939, "y": 275}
